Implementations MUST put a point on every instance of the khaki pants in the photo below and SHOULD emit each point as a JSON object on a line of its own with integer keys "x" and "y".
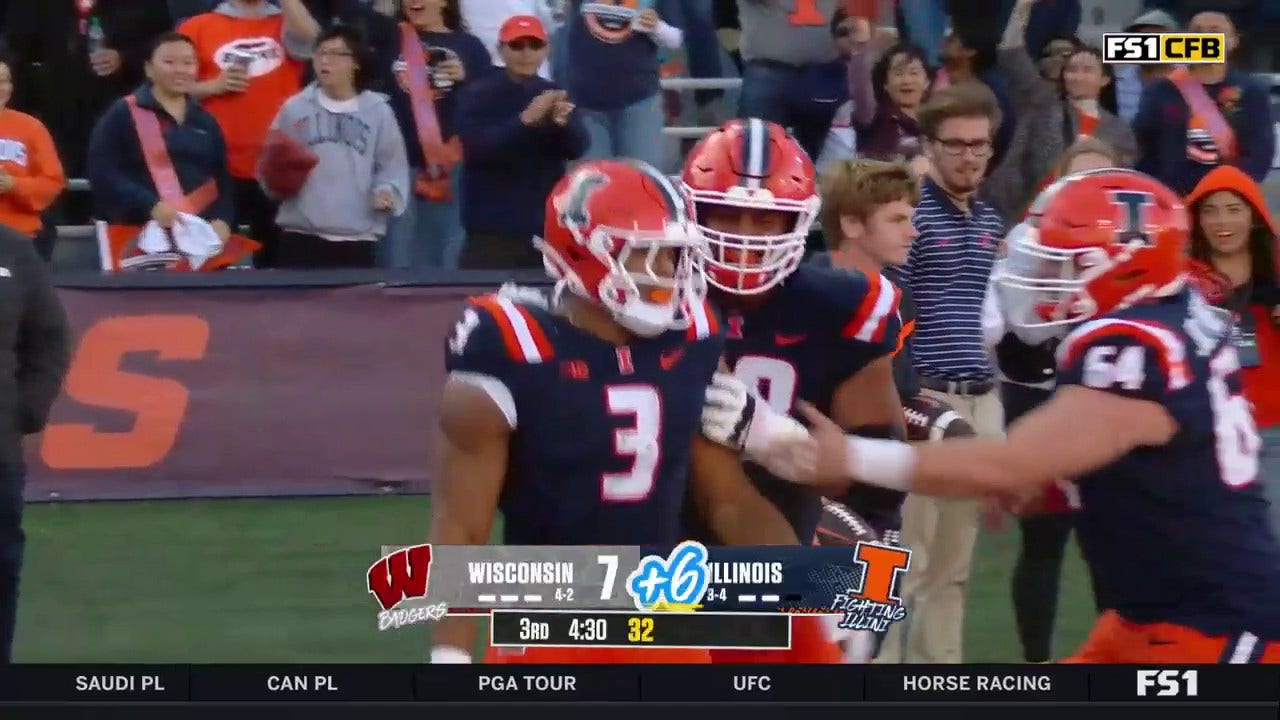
{"x": 941, "y": 534}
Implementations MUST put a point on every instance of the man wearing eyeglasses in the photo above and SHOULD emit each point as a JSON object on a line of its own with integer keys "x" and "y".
{"x": 946, "y": 272}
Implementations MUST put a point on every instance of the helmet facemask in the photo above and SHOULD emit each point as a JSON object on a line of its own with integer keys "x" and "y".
{"x": 1043, "y": 291}
{"x": 750, "y": 264}
{"x": 645, "y": 301}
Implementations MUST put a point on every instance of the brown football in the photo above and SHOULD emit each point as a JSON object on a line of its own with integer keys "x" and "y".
{"x": 931, "y": 419}
{"x": 841, "y": 526}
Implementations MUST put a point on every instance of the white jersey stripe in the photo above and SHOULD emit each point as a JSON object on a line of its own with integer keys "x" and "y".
{"x": 757, "y": 146}
{"x": 880, "y": 313}
{"x": 523, "y": 335}
{"x": 701, "y": 324}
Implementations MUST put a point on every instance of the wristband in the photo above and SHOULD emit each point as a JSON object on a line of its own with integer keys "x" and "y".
{"x": 885, "y": 463}
{"x": 446, "y": 655}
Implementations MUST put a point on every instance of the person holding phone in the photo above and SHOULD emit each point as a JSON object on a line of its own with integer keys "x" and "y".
{"x": 250, "y": 57}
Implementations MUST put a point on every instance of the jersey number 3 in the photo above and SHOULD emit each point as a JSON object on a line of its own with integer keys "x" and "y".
{"x": 641, "y": 442}
{"x": 1236, "y": 436}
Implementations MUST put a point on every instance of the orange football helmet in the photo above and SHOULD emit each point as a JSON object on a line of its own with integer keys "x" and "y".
{"x": 751, "y": 164}
{"x": 607, "y": 224}
{"x": 1093, "y": 242}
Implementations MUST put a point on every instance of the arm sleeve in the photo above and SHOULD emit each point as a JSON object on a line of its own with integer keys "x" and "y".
{"x": 1258, "y": 143}
{"x": 476, "y": 352}
{"x": 873, "y": 324}
{"x": 44, "y": 343}
{"x": 39, "y": 189}
{"x": 113, "y": 186}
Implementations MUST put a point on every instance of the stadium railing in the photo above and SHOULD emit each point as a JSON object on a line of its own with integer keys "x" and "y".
{"x": 80, "y": 232}
{"x": 83, "y": 232}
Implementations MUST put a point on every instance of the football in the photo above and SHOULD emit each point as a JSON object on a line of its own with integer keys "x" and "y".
{"x": 931, "y": 419}
{"x": 841, "y": 526}
{"x": 286, "y": 163}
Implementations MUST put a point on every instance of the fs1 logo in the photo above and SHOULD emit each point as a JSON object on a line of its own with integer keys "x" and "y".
{"x": 398, "y": 576}
{"x": 1164, "y": 48}
{"x": 1169, "y": 683}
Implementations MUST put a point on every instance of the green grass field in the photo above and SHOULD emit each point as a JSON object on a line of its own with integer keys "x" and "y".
{"x": 283, "y": 581}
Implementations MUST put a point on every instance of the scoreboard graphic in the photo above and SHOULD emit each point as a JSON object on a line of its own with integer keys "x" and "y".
{"x": 478, "y": 580}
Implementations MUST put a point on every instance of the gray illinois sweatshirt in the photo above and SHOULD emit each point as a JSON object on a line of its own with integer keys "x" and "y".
{"x": 360, "y": 149}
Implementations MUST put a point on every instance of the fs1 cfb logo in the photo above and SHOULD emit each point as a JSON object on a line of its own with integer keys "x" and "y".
{"x": 1164, "y": 48}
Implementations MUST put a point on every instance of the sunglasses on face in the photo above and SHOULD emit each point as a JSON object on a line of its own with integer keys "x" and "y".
{"x": 528, "y": 44}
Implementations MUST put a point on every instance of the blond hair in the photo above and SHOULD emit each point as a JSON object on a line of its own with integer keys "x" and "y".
{"x": 857, "y": 188}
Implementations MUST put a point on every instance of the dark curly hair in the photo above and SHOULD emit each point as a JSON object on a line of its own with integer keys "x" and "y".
{"x": 880, "y": 71}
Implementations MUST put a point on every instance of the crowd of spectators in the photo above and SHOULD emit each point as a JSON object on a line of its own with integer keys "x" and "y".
{"x": 426, "y": 134}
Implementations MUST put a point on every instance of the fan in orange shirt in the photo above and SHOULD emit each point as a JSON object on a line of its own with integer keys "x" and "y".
{"x": 31, "y": 175}
{"x": 250, "y": 55}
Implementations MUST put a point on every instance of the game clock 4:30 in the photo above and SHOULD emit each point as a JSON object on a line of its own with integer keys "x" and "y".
{"x": 551, "y": 628}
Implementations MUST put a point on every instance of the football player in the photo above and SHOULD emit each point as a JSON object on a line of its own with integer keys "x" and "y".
{"x": 1147, "y": 416}
{"x": 579, "y": 418}
{"x": 793, "y": 332}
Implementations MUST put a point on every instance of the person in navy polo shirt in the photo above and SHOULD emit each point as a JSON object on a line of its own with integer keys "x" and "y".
{"x": 946, "y": 272}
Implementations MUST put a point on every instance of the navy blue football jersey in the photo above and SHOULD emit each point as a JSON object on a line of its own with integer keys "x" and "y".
{"x": 810, "y": 334}
{"x": 1177, "y": 533}
{"x": 600, "y": 449}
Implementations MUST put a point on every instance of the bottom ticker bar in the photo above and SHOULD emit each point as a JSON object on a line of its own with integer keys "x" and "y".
{"x": 631, "y": 683}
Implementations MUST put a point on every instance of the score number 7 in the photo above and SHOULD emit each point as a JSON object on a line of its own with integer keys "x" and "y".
{"x": 610, "y": 563}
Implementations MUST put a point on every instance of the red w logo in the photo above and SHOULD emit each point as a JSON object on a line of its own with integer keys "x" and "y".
{"x": 400, "y": 575}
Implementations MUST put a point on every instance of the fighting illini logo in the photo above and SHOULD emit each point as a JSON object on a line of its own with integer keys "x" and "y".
{"x": 874, "y": 604}
{"x": 611, "y": 21}
{"x": 264, "y": 55}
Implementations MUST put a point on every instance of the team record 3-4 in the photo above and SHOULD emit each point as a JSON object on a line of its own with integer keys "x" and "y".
{"x": 637, "y": 683}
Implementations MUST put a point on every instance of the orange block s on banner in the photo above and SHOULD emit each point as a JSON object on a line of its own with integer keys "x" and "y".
{"x": 96, "y": 379}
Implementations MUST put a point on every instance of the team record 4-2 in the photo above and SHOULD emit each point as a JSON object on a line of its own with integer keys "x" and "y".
{"x": 479, "y": 579}
{"x": 1256, "y": 685}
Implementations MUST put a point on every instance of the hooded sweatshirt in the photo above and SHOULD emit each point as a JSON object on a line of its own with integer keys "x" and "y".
{"x": 1261, "y": 374}
{"x": 360, "y": 150}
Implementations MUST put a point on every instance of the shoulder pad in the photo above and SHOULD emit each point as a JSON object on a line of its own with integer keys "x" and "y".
{"x": 523, "y": 295}
{"x": 1139, "y": 358}
{"x": 495, "y": 332}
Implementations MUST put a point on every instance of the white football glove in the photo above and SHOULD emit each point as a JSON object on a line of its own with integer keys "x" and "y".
{"x": 733, "y": 416}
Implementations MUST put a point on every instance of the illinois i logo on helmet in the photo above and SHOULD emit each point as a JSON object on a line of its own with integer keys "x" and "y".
{"x": 1164, "y": 48}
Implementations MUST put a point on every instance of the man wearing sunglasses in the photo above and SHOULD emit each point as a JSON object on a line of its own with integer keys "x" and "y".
{"x": 518, "y": 132}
